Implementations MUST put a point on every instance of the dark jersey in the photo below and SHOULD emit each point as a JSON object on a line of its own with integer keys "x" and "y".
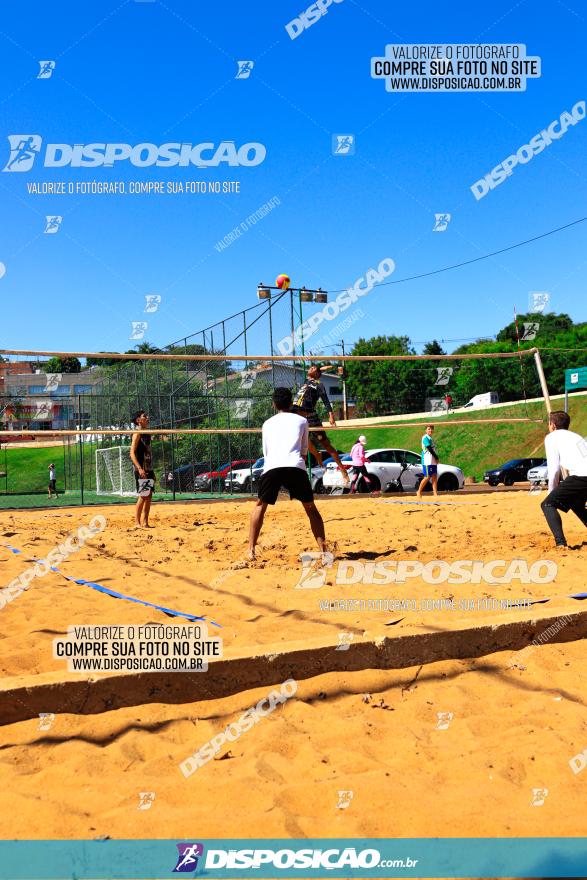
{"x": 308, "y": 396}
{"x": 143, "y": 452}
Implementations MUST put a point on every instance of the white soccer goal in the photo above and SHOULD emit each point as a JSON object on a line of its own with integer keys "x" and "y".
{"x": 114, "y": 471}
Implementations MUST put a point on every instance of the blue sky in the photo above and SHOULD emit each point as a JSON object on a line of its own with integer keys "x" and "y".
{"x": 155, "y": 72}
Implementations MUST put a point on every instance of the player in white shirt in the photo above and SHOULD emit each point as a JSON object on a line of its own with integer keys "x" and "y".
{"x": 285, "y": 443}
{"x": 568, "y": 450}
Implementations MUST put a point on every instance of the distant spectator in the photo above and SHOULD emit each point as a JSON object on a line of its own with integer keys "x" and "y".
{"x": 52, "y": 482}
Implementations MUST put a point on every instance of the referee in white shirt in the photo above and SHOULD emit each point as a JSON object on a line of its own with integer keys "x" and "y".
{"x": 285, "y": 443}
{"x": 564, "y": 449}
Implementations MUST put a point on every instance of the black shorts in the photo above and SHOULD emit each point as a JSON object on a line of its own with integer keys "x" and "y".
{"x": 359, "y": 469}
{"x": 313, "y": 422}
{"x": 294, "y": 479}
{"x": 53, "y": 485}
{"x": 150, "y": 476}
{"x": 570, "y": 494}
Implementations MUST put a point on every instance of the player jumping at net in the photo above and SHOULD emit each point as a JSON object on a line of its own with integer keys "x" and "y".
{"x": 142, "y": 459}
{"x": 285, "y": 444}
{"x": 429, "y": 462}
{"x": 568, "y": 450}
{"x": 305, "y": 403}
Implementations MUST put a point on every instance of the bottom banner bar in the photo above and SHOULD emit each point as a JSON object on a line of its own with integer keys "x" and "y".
{"x": 372, "y": 857}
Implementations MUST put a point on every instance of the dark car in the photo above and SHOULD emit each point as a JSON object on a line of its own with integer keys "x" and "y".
{"x": 514, "y": 471}
{"x": 183, "y": 478}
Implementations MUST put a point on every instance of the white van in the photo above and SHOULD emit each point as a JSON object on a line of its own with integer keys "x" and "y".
{"x": 481, "y": 400}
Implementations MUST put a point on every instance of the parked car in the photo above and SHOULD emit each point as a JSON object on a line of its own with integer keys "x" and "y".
{"x": 514, "y": 471}
{"x": 482, "y": 400}
{"x": 182, "y": 479}
{"x": 243, "y": 479}
{"x": 384, "y": 466}
{"x": 246, "y": 479}
{"x": 213, "y": 480}
{"x": 538, "y": 476}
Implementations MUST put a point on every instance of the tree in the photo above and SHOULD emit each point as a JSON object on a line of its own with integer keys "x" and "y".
{"x": 433, "y": 347}
{"x": 62, "y": 365}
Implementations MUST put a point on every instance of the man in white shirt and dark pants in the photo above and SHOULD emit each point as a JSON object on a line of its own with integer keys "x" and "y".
{"x": 285, "y": 443}
{"x": 564, "y": 449}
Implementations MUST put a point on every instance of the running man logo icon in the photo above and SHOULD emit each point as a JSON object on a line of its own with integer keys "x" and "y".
{"x": 146, "y": 799}
{"x": 187, "y": 860}
{"x": 344, "y": 641}
{"x": 242, "y": 408}
{"x": 314, "y": 566}
{"x": 344, "y": 799}
{"x": 539, "y": 795}
{"x": 582, "y": 446}
{"x": 538, "y": 300}
{"x": 138, "y": 329}
{"x": 247, "y": 379}
{"x": 153, "y": 301}
{"x": 444, "y": 719}
{"x": 441, "y": 222}
{"x": 343, "y": 145}
{"x": 244, "y": 69}
{"x": 46, "y": 720}
{"x": 530, "y": 332}
{"x": 53, "y": 380}
{"x": 24, "y": 149}
{"x": 443, "y": 375}
{"x": 53, "y": 223}
{"x": 46, "y": 69}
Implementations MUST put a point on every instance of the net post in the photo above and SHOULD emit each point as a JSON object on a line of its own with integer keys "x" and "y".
{"x": 542, "y": 378}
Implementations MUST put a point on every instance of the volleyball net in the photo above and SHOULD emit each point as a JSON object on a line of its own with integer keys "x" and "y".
{"x": 206, "y": 410}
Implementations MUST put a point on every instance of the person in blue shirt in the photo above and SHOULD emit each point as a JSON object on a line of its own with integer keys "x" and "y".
{"x": 430, "y": 460}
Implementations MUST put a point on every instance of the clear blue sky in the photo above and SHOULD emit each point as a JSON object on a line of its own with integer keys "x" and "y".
{"x": 165, "y": 71}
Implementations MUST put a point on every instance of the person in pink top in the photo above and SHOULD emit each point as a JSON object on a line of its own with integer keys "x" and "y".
{"x": 358, "y": 458}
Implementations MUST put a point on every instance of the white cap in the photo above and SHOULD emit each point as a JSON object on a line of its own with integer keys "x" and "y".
{"x": 362, "y": 439}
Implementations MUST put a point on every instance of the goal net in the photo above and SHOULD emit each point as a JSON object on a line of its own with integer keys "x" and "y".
{"x": 114, "y": 471}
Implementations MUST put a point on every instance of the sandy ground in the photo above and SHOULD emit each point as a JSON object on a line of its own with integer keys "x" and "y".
{"x": 373, "y": 733}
